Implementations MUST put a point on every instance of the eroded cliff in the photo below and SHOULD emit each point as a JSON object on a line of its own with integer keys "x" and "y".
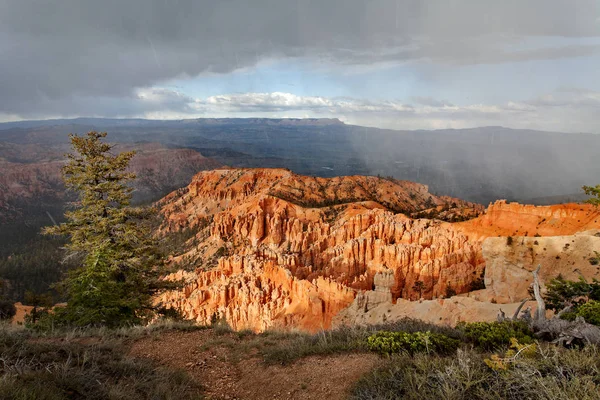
{"x": 269, "y": 248}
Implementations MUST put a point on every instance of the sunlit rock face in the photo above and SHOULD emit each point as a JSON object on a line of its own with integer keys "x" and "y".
{"x": 269, "y": 248}
{"x": 508, "y": 266}
{"x": 513, "y": 219}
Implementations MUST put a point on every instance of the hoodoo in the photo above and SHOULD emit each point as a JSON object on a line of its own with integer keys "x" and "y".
{"x": 267, "y": 247}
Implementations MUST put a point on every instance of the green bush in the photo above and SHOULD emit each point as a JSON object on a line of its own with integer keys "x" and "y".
{"x": 417, "y": 342}
{"x": 561, "y": 292}
{"x": 590, "y": 311}
{"x": 491, "y": 335}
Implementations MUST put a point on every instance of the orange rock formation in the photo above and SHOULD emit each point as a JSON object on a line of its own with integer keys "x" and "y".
{"x": 513, "y": 219}
{"x": 271, "y": 248}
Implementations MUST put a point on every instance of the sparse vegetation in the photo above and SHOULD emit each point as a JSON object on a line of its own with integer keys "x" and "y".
{"x": 473, "y": 361}
{"x": 595, "y": 259}
{"x": 65, "y": 368}
{"x": 284, "y": 348}
{"x": 550, "y": 373}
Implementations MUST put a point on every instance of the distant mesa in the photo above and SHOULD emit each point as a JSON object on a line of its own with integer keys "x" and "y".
{"x": 271, "y": 121}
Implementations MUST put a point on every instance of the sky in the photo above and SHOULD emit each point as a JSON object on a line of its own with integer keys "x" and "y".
{"x": 384, "y": 63}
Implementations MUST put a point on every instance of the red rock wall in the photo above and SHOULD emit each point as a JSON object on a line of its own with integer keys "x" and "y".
{"x": 293, "y": 250}
{"x": 345, "y": 245}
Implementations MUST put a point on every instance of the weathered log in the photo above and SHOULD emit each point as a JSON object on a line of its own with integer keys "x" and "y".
{"x": 501, "y": 315}
{"x": 559, "y": 330}
{"x": 564, "y": 310}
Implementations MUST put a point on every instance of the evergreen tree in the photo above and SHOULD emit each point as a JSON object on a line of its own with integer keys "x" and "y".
{"x": 593, "y": 191}
{"x": 7, "y": 308}
{"x": 120, "y": 269}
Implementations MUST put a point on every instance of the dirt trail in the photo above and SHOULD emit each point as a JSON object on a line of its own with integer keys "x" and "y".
{"x": 229, "y": 374}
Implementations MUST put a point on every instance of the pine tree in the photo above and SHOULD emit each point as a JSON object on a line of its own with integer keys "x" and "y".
{"x": 120, "y": 269}
{"x": 593, "y": 191}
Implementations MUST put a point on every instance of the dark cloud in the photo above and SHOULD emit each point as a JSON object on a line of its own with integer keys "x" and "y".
{"x": 60, "y": 56}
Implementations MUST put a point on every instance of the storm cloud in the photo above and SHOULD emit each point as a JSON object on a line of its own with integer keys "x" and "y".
{"x": 110, "y": 58}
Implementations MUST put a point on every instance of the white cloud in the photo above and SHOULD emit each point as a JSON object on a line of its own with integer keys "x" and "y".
{"x": 567, "y": 109}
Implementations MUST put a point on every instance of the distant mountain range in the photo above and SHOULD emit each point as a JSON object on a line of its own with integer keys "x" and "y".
{"x": 480, "y": 164}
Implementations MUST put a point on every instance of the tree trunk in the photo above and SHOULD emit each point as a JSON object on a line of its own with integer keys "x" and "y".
{"x": 540, "y": 312}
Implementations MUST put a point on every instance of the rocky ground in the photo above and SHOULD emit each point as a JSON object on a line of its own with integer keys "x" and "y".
{"x": 229, "y": 367}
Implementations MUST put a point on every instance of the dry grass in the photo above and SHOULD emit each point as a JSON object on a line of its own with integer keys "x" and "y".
{"x": 92, "y": 364}
{"x": 81, "y": 366}
{"x": 553, "y": 373}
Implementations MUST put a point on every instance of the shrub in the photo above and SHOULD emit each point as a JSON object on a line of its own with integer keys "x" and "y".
{"x": 417, "y": 342}
{"x": 450, "y": 292}
{"x": 477, "y": 284}
{"x": 7, "y": 309}
{"x": 595, "y": 260}
{"x": 509, "y": 240}
{"x": 561, "y": 292}
{"x": 569, "y": 316}
{"x": 516, "y": 350}
{"x": 221, "y": 251}
{"x": 552, "y": 373}
{"x": 491, "y": 335}
{"x": 590, "y": 311}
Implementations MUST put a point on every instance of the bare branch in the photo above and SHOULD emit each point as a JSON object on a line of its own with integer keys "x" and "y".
{"x": 518, "y": 310}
